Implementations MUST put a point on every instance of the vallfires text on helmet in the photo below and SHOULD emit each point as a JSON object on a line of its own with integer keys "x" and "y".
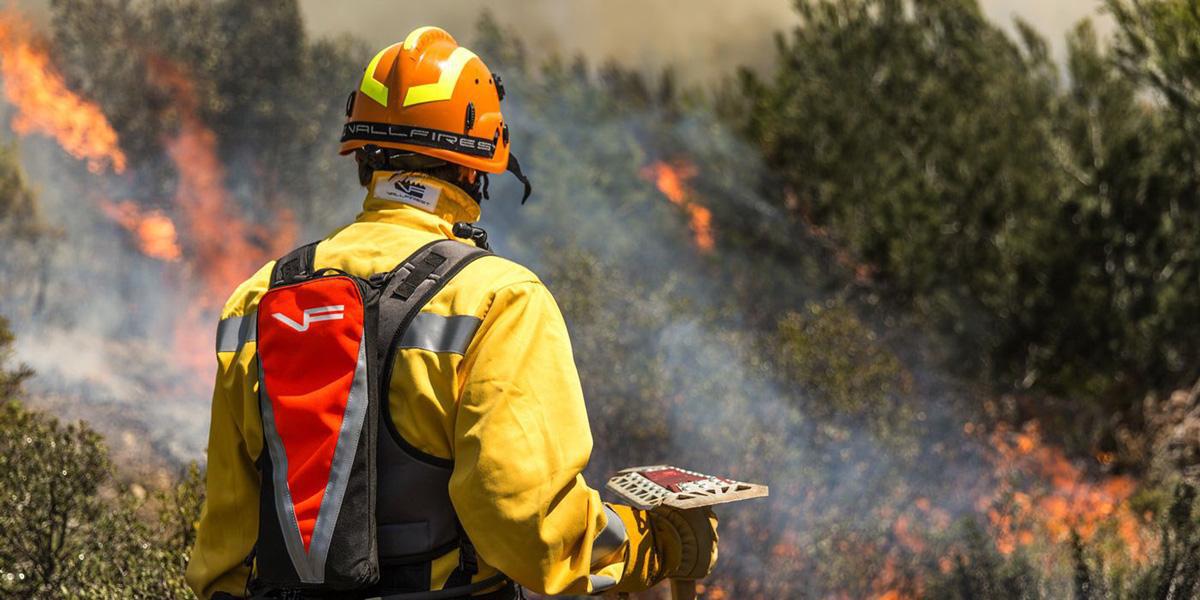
{"x": 386, "y": 132}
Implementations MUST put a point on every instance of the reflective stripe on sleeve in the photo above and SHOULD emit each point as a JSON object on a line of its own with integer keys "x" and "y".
{"x": 611, "y": 538}
{"x": 440, "y": 334}
{"x": 601, "y": 582}
{"x": 234, "y": 332}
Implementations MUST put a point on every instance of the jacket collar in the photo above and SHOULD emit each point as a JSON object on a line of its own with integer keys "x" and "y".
{"x": 417, "y": 200}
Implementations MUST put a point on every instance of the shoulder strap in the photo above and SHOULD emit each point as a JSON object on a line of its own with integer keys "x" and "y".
{"x": 407, "y": 288}
{"x": 297, "y": 264}
{"x": 410, "y": 285}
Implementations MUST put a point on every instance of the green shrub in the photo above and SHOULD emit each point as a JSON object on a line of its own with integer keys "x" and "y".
{"x": 68, "y": 528}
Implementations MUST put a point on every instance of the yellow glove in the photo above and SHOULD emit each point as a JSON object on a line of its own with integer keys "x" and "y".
{"x": 687, "y": 540}
{"x": 667, "y": 543}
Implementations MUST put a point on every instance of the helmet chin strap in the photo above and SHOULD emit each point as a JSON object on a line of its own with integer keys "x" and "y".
{"x": 514, "y": 167}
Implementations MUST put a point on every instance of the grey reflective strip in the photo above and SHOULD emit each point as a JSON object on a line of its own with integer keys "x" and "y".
{"x": 310, "y": 566}
{"x": 440, "y": 334}
{"x": 343, "y": 462}
{"x": 283, "y": 496}
{"x": 234, "y": 332}
{"x": 611, "y": 538}
{"x": 601, "y": 582}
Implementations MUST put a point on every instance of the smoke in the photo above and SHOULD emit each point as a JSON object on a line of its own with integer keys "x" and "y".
{"x": 879, "y": 485}
{"x": 665, "y": 334}
{"x": 102, "y": 337}
{"x": 120, "y": 329}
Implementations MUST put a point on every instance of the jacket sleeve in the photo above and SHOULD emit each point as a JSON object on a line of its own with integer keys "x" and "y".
{"x": 521, "y": 442}
{"x": 229, "y": 522}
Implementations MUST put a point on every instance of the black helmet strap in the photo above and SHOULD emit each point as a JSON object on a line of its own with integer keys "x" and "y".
{"x": 514, "y": 167}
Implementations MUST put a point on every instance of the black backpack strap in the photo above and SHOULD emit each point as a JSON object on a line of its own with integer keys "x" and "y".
{"x": 468, "y": 562}
{"x": 410, "y": 285}
{"x": 510, "y": 591}
{"x": 295, "y": 265}
{"x": 408, "y": 288}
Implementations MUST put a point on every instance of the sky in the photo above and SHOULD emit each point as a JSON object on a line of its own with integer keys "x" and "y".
{"x": 702, "y": 39}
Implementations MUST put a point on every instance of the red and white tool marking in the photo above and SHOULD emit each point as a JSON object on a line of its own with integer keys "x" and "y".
{"x": 662, "y": 485}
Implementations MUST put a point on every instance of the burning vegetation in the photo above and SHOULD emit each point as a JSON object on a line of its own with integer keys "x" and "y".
{"x": 219, "y": 246}
{"x": 46, "y": 106}
{"x": 153, "y": 231}
{"x": 1042, "y": 497}
{"x": 671, "y": 180}
{"x": 847, "y": 343}
{"x": 224, "y": 247}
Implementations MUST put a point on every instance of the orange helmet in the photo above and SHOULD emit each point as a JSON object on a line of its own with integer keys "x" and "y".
{"x": 430, "y": 96}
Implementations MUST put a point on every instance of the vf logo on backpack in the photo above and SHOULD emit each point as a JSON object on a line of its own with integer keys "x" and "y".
{"x": 312, "y": 315}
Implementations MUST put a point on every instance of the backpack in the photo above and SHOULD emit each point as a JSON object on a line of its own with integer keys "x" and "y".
{"x": 326, "y": 343}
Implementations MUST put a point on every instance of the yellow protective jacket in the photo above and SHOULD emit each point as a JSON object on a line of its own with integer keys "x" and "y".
{"x": 506, "y": 406}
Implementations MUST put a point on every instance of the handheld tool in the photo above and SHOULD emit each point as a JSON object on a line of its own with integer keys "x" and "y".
{"x": 652, "y": 487}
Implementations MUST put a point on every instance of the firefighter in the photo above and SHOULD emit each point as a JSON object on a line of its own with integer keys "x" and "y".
{"x": 486, "y": 388}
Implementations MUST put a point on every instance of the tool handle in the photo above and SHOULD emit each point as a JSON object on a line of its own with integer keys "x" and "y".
{"x": 683, "y": 589}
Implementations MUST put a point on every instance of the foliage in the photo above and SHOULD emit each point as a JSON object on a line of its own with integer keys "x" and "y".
{"x": 1177, "y": 574}
{"x": 10, "y": 378}
{"x": 917, "y": 135}
{"x": 70, "y": 529}
{"x": 1040, "y": 227}
{"x": 979, "y": 571}
{"x": 861, "y": 379}
{"x": 50, "y": 481}
{"x": 1115, "y": 320}
{"x": 19, "y": 216}
{"x": 274, "y": 99}
{"x": 22, "y": 226}
{"x": 1158, "y": 44}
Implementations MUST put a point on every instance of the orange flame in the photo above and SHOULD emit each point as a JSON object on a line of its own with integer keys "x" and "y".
{"x": 888, "y": 582}
{"x": 47, "y": 106}
{"x": 1059, "y": 500}
{"x": 223, "y": 247}
{"x": 1035, "y": 498}
{"x": 153, "y": 231}
{"x": 671, "y": 180}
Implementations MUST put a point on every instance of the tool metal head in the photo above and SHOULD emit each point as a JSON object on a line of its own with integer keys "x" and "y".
{"x": 663, "y": 485}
